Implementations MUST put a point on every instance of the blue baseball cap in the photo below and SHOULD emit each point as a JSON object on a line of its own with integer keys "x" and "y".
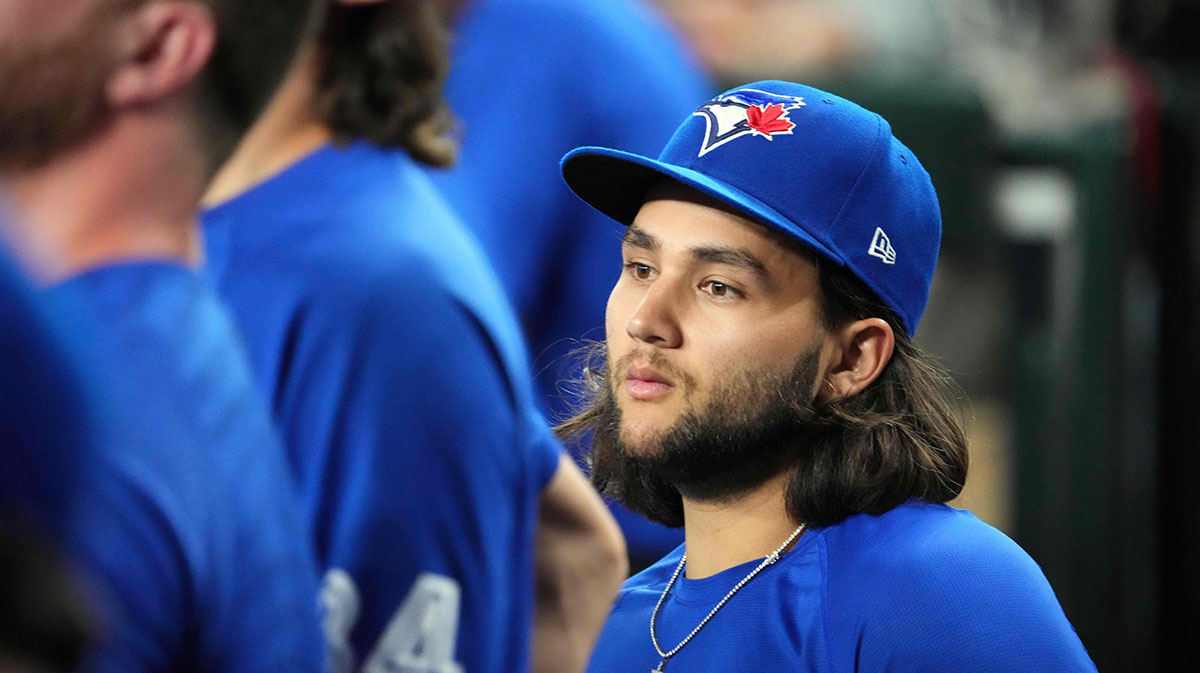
{"x": 810, "y": 164}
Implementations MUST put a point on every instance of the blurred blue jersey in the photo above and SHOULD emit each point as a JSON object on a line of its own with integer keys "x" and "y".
{"x": 919, "y": 588}
{"x": 44, "y": 436}
{"x": 400, "y": 380}
{"x": 44, "y": 421}
{"x": 187, "y": 518}
{"x": 531, "y": 80}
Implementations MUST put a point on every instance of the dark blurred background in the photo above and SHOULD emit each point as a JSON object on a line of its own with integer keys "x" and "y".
{"x": 1063, "y": 139}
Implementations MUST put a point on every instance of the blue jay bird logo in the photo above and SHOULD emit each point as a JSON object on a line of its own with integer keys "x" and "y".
{"x": 746, "y": 112}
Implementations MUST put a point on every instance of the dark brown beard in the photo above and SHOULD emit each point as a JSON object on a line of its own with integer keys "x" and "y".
{"x": 52, "y": 95}
{"x": 749, "y": 431}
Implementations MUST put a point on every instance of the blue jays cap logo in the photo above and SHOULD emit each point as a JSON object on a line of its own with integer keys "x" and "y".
{"x": 746, "y": 112}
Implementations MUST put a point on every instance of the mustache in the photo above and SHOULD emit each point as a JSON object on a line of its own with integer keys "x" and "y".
{"x": 655, "y": 359}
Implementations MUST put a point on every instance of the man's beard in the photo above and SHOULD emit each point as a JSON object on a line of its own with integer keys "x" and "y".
{"x": 52, "y": 95}
{"x": 750, "y": 430}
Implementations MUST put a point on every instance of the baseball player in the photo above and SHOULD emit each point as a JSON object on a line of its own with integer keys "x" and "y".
{"x": 760, "y": 388}
{"x": 114, "y": 115}
{"x": 397, "y": 372}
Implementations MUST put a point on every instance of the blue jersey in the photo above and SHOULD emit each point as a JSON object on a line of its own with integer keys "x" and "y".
{"x": 398, "y": 375}
{"x": 44, "y": 421}
{"x": 573, "y": 73}
{"x": 920, "y": 588}
{"x": 187, "y": 520}
{"x": 44, "y": 435}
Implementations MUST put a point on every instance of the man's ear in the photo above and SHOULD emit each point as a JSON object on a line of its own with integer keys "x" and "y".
{"x": 863, "y": 349}
{"x": 163, "y": 47}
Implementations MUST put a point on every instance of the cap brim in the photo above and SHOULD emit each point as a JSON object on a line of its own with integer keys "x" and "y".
{"x": 616, "y": 183}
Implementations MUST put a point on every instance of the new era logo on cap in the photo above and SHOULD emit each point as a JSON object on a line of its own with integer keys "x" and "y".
{"x": 881, "y": 247}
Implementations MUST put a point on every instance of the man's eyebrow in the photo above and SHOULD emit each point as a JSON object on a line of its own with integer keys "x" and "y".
{"x": 734, "y": 257}
{"x": 639, "y": 239}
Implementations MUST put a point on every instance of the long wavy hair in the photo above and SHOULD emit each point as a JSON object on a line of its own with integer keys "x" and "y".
{"x": 901, "y": 438}
{"x": 383, "y": 68}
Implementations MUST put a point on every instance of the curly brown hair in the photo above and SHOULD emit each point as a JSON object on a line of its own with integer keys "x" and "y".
{"x": 383, "y": 68}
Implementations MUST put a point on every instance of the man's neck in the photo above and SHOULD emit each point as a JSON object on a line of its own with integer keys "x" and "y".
{"x": 722, "y": 535}
{"x": 287, "y": 131}
{"x": 128, "y": 193}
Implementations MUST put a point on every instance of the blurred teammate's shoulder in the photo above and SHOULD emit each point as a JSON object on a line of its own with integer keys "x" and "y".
{"x": 188, "y": 508}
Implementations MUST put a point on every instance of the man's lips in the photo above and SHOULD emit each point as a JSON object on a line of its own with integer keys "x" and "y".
{"x": 644, "y": 383}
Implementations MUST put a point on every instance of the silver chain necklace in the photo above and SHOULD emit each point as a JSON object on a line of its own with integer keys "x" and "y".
{"x": 666, "y": 656}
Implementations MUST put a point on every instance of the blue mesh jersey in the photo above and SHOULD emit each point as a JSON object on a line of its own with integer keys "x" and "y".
{"x": 399, "y": 377}
{"x": 573, "y": 72}
{"x": 920, "y": 588}
{"x": 185, "y": 518}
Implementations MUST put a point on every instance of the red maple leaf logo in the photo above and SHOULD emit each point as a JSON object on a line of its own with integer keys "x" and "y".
{"x": 768, "y": 119}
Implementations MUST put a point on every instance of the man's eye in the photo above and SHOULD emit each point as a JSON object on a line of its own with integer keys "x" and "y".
{"x": 718, "y": 289}
{"x": 640, "y": 271}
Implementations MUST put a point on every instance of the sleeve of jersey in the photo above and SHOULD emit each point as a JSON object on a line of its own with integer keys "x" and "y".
{"x": 962, "y": 599}
{"x": 545, "y": 447}
{"x": 417, "y": 449}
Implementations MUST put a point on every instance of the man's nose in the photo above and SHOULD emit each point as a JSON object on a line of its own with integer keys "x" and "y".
{"x": 655, "y": 321}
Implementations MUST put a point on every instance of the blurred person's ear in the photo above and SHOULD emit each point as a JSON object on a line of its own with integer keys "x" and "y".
{"x": 163, "y": 47}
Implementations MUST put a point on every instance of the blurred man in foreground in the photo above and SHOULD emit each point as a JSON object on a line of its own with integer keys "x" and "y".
{"x": 114, "y": 116}
{"x": 397, "y": 372}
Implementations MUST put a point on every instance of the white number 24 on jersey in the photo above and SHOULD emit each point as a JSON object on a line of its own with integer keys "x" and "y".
{"x": 420, "y": 637}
